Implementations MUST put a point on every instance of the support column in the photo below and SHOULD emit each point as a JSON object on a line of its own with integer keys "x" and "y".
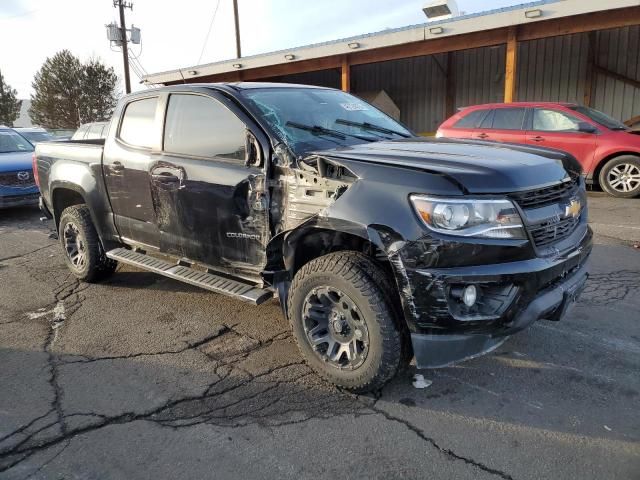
{"x": 345, "y": 74}
{"x": 510, "y": 66}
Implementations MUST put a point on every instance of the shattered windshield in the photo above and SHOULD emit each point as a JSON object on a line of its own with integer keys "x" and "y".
{"x": 309, "y": 119}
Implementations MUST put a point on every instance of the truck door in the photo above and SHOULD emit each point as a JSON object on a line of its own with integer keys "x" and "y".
{"x": 210, "y": 207}
{"x": 126, "y": 162}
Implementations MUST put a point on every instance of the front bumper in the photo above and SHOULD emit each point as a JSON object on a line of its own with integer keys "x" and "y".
{"x": 519, "y": 293}
{"x": 441, "y": 350}
{"x": 8, "y": 201}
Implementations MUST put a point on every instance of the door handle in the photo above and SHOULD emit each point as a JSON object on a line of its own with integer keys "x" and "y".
{"x": 537, "y": 138}
{"x": 117, "y": 167}
{"x": 165, "y": 178}
{"x": 483, "y": 135}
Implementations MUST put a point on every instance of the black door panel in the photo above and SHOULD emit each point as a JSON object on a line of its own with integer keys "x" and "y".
{"x": 126, "y": 172}
{"x": 213, "y": 214}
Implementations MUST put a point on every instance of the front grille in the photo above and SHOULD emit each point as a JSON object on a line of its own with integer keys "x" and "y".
{"x": 550, "y": 232}
{"x": 13, "y": 179}
{"x": 544, "y": 196}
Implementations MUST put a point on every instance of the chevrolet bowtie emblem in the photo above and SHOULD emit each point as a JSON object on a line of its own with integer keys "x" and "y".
{"x": 573, "y": 209}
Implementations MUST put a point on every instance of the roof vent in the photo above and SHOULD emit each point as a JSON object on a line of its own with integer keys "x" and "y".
{"x": 441, "y": 9}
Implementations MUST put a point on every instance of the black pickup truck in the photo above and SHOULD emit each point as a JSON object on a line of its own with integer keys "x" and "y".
{"x": 380, "y": 245}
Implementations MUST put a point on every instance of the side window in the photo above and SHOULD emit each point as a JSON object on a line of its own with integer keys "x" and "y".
{"x": 203, "y": 127}
{"x": 554, "y": 121}
{"x": 508, "y": 118}
{"x": 137, "y": 126}
{"x": 488, "y": 120}
{"x": 471, "y": 120}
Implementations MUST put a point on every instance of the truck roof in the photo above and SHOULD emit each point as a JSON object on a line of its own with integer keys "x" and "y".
{"x": 226, "y": 87}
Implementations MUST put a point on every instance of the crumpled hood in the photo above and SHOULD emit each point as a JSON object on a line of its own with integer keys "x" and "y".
{"x": 15, "y": 161}
{"x": 479, "y": 167}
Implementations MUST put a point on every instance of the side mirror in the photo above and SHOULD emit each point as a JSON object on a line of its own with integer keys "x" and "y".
{"x": 252, "y": 151}
{"x": 585, "y": 127}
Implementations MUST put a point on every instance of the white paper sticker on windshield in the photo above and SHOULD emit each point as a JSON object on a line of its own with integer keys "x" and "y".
{"x": 354, "y": 107}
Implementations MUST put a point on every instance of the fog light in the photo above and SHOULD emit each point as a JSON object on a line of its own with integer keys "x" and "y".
{"x": 469, "y": 295}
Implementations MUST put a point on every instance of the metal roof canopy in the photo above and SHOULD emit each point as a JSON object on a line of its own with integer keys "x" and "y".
{"x": 538, "y": 19}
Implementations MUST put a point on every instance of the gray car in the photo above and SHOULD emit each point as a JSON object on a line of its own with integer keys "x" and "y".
{"x": 35, "y": 134}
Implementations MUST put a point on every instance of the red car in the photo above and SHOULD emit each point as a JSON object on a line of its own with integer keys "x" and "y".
{"x": 608, "y": 151}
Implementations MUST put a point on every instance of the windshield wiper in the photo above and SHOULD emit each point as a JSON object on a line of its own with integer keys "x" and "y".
{"x": 372, "y": 127}
{"x": 318, "y": 130}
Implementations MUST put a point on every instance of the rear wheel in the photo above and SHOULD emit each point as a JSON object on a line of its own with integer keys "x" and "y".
{"x": 620, "y": 177}
{"x": 84, "y": 254}
{"x": 343, "y": 321}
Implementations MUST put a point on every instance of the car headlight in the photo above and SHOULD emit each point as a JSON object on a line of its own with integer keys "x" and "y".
{"x": 470, "y": 217}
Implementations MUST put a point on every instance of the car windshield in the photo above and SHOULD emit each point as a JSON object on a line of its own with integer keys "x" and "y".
{"x": 309, "y": 119}
{"x": 11, "y": 141}
{"x": 35, "y": 137}
{"x": 600, "y": 118}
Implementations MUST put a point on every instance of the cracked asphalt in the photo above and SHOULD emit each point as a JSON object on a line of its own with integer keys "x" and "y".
{"x": 141, "y": 377}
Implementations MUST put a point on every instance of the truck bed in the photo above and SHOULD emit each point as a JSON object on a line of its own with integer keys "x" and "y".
{"x": 86, "y": 151}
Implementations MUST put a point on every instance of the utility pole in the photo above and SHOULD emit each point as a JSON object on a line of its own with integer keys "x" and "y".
{"x": 237, "y": 21}
{"x": 121, "y": 4}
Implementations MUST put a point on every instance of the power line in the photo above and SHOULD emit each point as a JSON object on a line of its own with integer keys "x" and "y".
{"x": 206, "y": 39}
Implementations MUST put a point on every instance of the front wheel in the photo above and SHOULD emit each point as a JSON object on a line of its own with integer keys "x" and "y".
{"x": 84, "y": 254}
{"x": 620, "y": 177}
{"x": 343, "y": 321}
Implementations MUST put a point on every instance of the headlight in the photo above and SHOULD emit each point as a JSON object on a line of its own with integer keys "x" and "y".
{"x": 470, "y": 217}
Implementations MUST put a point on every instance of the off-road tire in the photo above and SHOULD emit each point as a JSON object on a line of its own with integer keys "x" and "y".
{"x": 96, "y": 265}
{"x": 367, "y": 285}
{"x": 607, "y": 173}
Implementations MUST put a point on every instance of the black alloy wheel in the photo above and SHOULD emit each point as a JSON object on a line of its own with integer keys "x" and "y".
{"x": 334, "y": 328}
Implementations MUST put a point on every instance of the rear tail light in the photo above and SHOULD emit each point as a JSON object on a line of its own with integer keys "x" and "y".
{"x": 35, "y": 169}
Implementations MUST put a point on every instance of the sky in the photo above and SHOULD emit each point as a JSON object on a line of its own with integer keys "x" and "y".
{"x": 174, "y": 32}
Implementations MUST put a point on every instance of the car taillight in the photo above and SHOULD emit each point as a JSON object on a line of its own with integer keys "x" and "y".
{"x": 35, "y": 169}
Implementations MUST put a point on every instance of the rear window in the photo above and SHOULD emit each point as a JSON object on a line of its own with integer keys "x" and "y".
{"x": 80, "y": 133}
{"x": 95, "y": 131}
{"x": 471, "y": 120}
{"x": 508, "y": 118}
{"x": 137, "y": 126}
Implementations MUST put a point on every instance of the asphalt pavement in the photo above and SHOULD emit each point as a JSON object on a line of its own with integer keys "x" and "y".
{"x": 141, "y": 377}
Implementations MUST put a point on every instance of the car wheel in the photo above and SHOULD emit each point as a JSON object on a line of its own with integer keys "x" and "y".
{"x": 620, "y": 177}
{"x": 344, "y": 322}
{"x": 84, "y": 254}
